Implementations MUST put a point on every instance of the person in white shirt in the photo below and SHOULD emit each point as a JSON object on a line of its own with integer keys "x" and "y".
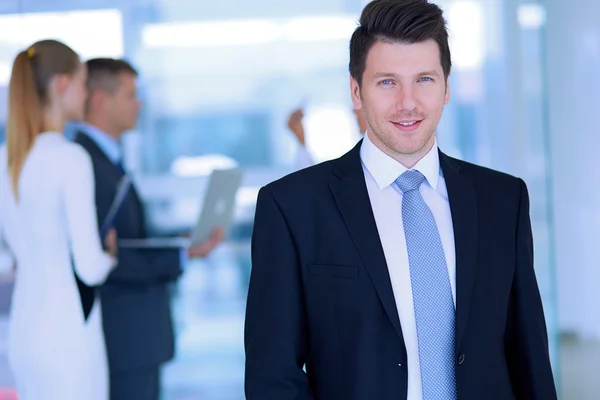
{"x": 303, "y": 157}
{"x": 48, "y": 229}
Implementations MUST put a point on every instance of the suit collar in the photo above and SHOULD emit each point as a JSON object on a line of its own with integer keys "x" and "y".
{"x": 352, "y": 198}
{"x": 91, "y": 146}
{"x": 109, "y": 146}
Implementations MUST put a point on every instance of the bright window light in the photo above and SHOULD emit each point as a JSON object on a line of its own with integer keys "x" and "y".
{"x": 531, "y": 16}
{"x": 201, "y": 165}
{"x": 330, "y": 131}
{"x": 465, "y": 25}
{"x": 223, "y": 33}
{"x": 319, "y": 28}
{"x": 5, "y": 71}
{"x": 91, "y": 33}
{"x": 247, "y": 32}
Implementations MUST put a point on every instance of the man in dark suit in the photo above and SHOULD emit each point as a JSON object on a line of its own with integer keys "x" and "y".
{"x": 135, "y": 298}
{"x": 396, "y": 272}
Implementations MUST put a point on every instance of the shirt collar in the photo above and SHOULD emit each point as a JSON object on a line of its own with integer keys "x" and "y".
{"x": 385, "y": 170}
{"x": 109, "y": 145}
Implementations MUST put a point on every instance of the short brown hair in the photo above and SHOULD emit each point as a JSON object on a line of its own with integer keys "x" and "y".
{"x": 103, "y": 73}
{"x": 398, "y": 21}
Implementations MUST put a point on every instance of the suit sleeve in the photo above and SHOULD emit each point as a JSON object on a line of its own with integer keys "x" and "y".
{"x": 527, "y": 338}
{"x": 91, "y": 262}
{"x": 275, "y": 336}
{"x": 147, "y": 266}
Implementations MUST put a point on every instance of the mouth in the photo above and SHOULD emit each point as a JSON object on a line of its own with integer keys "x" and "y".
{"x": 407, "y": 126}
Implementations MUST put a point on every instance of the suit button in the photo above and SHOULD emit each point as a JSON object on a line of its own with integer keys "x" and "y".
{"x": 461, "y": 359}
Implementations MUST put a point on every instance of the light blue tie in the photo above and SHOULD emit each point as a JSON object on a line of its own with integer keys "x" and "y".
{"x": 432, "y": 295}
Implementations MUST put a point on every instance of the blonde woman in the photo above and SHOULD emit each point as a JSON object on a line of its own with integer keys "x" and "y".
{"x": 48, "y": 230}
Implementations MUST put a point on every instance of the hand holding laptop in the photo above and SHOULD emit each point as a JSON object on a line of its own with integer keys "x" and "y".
{"x": 110, "y": 242}
{"x": 201, "y": 250}
{"x": 213, "y": 222}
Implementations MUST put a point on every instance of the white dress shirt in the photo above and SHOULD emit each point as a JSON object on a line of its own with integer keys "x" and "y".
{"x": 381, "y": 171}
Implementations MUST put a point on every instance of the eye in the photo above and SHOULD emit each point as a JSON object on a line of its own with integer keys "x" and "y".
{"x": 425, "y": 79}
{"x": 386, "y": 82}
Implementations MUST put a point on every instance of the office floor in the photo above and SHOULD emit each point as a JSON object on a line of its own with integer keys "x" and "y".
{"x": 209, "y": 310}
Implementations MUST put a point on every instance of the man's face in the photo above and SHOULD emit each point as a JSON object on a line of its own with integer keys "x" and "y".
{"x": 124, "y": 105}
{"x": 360, "y": 120}
{"x": 403, "y": 94}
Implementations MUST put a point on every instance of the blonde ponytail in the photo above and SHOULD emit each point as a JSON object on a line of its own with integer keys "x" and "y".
{"x": 24, "y": 115}
{"x": 33, "y": 69}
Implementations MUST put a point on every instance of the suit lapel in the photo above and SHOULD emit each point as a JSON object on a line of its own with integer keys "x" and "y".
{"x": 463, "y": 206}
{"x": 96, "y": 152}
{"x": 352, "y": 198}
{"x": 132, "y": 213}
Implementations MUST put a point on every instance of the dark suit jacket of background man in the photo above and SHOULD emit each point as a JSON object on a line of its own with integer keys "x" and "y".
{"x": 136, "y": 309}
{"x": 320, "y": 291}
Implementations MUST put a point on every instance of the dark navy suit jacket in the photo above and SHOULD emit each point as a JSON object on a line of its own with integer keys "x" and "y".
{"x": 136, "y": 309}
{"x": 320, "y": 294}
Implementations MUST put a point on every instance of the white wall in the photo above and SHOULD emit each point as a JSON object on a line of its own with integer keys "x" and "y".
{"x": 573, "y": 67}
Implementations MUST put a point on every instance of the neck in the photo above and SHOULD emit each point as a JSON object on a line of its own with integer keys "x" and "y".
{"x": 53, "y": 121}
{"x": 101, "y": 123}
{"x": 409, "y": 160}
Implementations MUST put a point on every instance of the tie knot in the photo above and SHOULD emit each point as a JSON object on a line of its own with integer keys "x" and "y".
{"x": 410, "y": 180}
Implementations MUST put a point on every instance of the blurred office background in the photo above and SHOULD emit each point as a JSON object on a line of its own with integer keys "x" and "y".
{"x": 218, "y": 79}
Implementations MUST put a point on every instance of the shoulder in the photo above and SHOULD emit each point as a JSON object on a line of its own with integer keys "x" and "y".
{"x": 496, "y": 191}
{"x": 486, "y": 176}
{"x": 302, "y": 183}
{"x": 74, "y": 156}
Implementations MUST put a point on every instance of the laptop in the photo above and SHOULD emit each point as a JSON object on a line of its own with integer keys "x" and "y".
{"x": 217, "y": 211}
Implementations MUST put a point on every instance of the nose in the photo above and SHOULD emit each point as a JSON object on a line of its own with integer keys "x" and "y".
{"x": 405, "y": 99}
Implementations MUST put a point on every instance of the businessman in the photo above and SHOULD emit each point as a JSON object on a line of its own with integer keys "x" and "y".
{"x": 395, "y": 271}
{"x": 135, "y": 299}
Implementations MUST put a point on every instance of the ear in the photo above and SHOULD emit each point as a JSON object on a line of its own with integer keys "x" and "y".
{"x": 61, "y": 83}
{"x": 447, "y": 96}
{"x": 355, "y": 94}
{"x": 94, "y": 98}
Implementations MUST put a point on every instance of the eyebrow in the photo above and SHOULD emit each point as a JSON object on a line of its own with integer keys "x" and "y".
{"x": 380, "y": 75}
{"x": 432, "y": 72}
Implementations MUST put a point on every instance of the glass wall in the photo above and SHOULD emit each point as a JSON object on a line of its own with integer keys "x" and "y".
{"x": 218, "y": 80}
{"x": 497, "y": 116}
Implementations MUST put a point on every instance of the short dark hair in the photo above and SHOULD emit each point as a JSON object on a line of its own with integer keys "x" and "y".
{"x": 103, "y": 73}
{"x": 398, "y": 21}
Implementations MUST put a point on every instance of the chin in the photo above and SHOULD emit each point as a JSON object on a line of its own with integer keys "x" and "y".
{"x": 410, "y": 145}
{"x": 76, "y": 117}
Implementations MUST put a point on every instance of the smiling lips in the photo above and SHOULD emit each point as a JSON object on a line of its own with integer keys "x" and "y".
{"x": 407, "y": 126}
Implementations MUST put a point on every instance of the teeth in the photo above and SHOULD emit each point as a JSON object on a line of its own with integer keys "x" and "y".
{"x": 408, "y": 123}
